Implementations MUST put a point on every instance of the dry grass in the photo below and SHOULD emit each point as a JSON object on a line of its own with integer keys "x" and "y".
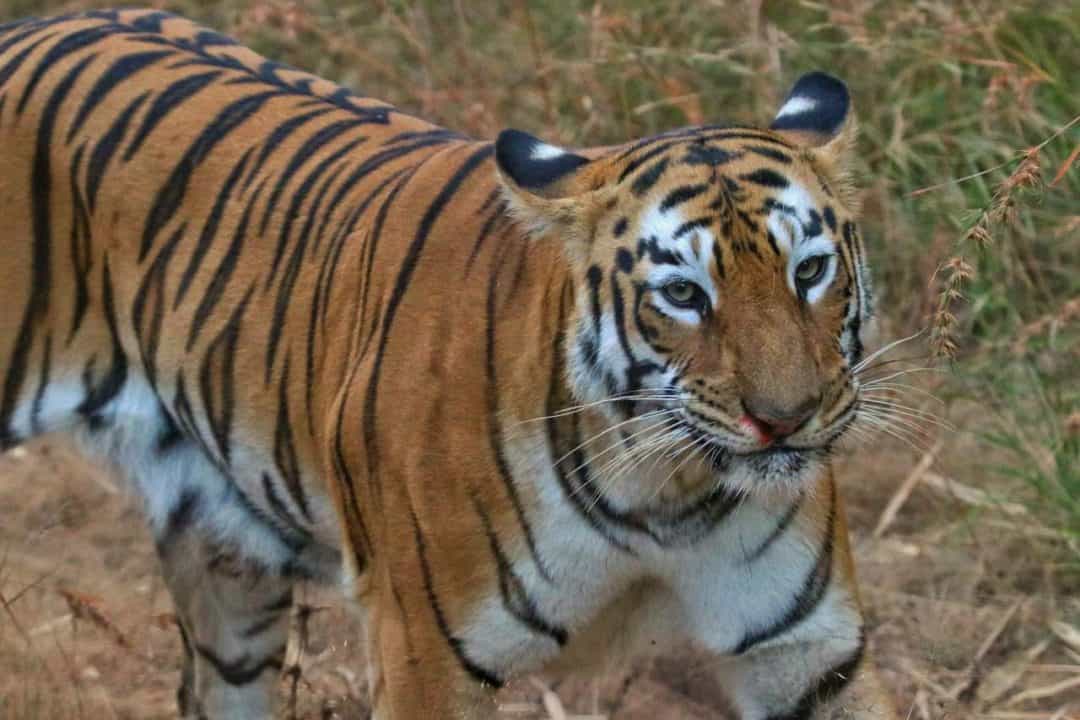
{"x": 968, "y": 546}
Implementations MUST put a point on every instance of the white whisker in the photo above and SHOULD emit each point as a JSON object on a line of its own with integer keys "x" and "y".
{"x": 637, "y": 418}
{"x": 881, "y": 351}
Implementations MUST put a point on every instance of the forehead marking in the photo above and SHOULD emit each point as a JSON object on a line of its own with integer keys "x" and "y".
{"x": 645, "y": 181}
{"x": 683, "y": 194}
{"x": 792, "y": 217}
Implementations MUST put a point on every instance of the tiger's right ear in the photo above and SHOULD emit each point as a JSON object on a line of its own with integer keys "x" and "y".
{"x": 548, "y": 187}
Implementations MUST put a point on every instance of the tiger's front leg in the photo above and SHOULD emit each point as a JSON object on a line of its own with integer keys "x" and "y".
{"x": 234, "y": 621}
{"x": 783, "y": 619}
{"x": 811, "y": 679}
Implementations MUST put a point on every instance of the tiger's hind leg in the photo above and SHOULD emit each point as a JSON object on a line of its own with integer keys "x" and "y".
{"x": 234, "y": 621}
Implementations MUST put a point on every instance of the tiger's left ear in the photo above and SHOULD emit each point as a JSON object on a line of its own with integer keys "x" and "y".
{"x": 549, "y": 188}
{"x": 817, "y": 116}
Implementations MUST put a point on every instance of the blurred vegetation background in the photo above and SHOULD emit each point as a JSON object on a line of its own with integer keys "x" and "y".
{"x": 970, "y": 129}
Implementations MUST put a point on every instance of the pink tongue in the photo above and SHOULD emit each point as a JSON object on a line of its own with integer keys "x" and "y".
{"x": 759, "y": 430}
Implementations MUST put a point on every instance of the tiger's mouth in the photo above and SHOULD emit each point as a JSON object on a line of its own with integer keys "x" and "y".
{"x": 778, "y": 461}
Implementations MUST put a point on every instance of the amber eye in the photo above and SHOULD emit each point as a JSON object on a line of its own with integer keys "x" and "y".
{"x": 811, "y": 269}
{"x": 684, "y": 294}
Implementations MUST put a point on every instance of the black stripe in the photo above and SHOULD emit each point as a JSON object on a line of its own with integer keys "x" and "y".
{"x": 683, "y": 194}
{"x": 41, "y": 258}
{"x": 185, "y": 418}
{"x": 277, "y": 138}
{"x": 285, "y": 450}
{"x": 645, "y": 157}
{"x": 16, "y": 62}
{"x": 317, "y": 212}
{"x": 241, "y": 671}
{"x": 771, "y": 153}
{"x": 762, "y": 136}
{"x": 766, "y": 178}
{"x": 772, "y": 242}
{"x": 830, "y": 218}
{"x": 313, "y": 325}
{"x": 827, "y": 688}
{"x": 851, "y": 241}
{"x": 148, "y": 310}
{"x": 169, "y": 99}
{"x": 343, "y": 236}
{"x": 690, "y": 226}
{"x": 180, "y": 517}
{"x": 558, "y": 448}
{"x": 515, "y": 596}
{"x": 814, "y": 587}
{"x": 283, "y": 298}
{"x": 401, "y": 284}
{"x": 43, "y": 383}
{"x": 68, "y": 44}
{"x": 114, "y": 379}
{"x": 718, "y": 258}
{"x": 171, "y": 195}
{"x": 118, "y": 72}
{"x": 215, "y": 289}
{"x": 703, "y": 154}
{"x": 477, "y": 672}
{"x": 485, "y": 232}
{"x": 260, "y": 626}
{"x": 781, "y": 527}
{"x": 322, "y": 137}
{"x": 81, "y": 251}
{"x": 217, "y": 381}
{"x": 278, "y": 506}
{"x": 649, "y": 177}
{"x": 107, "y": 146}
{"x": 206, "y": 238}
{"x": 634, "y": 368}
{"x": 280, "y": 604}
{"x": 170, "y": 435}
{"x": 350, "y": 501}
{"x": 376, "y": 161}
{"x": 495, "y": 438}
{"x": 594, "y": 276}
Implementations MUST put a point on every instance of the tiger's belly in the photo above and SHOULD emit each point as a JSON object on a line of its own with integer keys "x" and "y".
{"x": 243, "y": 507}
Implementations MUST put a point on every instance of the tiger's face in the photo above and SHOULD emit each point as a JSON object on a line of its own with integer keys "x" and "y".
{"x": 720, "y": 283}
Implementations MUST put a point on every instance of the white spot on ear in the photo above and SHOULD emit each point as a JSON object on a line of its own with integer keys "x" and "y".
{"x": 545, "y": 151}
{"x": 797, "y": 106}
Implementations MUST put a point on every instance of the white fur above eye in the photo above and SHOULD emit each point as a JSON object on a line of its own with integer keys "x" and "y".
{"x": 546, "y": 151}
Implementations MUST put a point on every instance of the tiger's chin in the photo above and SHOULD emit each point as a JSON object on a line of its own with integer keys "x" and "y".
{"x": 781, "y": 469}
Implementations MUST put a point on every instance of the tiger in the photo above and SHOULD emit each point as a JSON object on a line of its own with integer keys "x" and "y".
{"x": 531, "y": 409}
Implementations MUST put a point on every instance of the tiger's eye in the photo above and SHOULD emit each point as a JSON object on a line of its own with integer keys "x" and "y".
{"x": 810, "y": 270}
{"x": 683, "y": 293}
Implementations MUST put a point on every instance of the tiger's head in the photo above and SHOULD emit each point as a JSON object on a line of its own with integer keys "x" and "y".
{"x": 720, "y": 281}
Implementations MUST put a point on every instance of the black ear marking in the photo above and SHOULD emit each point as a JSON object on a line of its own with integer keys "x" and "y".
{"x": 532, "y": 163}
{"x": 819, "y": 103}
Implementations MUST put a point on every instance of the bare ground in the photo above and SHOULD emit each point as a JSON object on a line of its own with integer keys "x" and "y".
{"x": 968, "y": 617}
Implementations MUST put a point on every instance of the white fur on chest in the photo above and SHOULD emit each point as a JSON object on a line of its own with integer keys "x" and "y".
{"x": 712, "y": 594}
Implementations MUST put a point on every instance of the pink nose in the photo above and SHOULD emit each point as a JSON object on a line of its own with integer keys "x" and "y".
{"x": 774, "y": 424}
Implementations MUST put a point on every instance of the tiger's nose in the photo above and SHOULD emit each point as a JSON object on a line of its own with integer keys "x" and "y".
{"x": 775, "y": 423}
